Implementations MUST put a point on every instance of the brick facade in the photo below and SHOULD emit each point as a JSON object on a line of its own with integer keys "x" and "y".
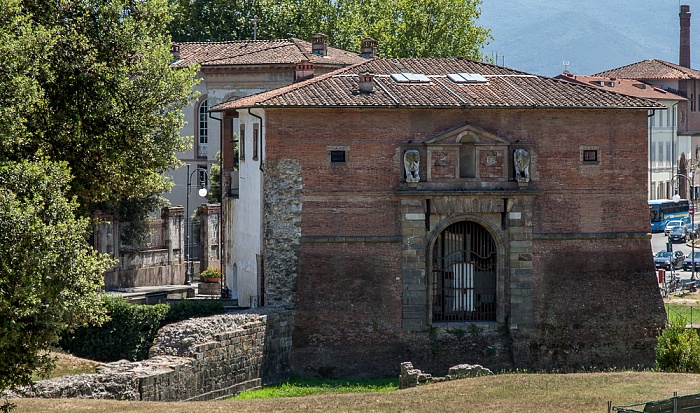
{"x": 575, "y": 281}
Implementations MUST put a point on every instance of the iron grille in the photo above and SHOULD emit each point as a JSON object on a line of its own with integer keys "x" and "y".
{"x": 464, "y": 274}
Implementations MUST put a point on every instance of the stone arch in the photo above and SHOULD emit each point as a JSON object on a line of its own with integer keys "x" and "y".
{"x": 500, "y": 272}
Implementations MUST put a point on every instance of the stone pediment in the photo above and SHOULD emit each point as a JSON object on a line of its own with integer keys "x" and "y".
{"x": 466, "y": 133}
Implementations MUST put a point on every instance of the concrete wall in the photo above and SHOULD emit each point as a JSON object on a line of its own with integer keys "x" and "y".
{"x": 198, "y": 359}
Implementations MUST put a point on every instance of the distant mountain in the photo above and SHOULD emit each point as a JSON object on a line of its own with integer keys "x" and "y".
{"x": 537, "y": 36}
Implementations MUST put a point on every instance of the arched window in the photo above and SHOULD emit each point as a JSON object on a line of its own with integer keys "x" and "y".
{"x": 464, "y": 261}
{"x": 202, "y": 129}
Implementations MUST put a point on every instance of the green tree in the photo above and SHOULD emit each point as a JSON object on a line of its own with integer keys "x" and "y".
{"x": 403, "y": 28}
{"x": 112, "y": 104}
{"x": 89, "y": 115}
{"x": 49, "y": 277}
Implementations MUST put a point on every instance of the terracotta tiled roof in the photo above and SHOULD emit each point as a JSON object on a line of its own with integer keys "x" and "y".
{"x": 629, "y": 87}
{"x": 504, "y": 88}
{"x": 257, "y": 52}
{"x": 652, "y": 69}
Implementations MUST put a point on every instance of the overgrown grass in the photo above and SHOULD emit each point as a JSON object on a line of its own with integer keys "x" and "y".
{"x": 297, "y": 387}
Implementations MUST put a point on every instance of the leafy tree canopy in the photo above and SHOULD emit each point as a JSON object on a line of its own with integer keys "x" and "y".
{"x": 110, "y": 105}
{"x": 403, "y": 28}
{"x": 49, "y": 277}
{"x": 89, "y": 115}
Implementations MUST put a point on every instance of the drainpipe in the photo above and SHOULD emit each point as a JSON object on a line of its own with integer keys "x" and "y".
{"x": 261, "y": 147}
{"x": 651, "y": 165}
{"x": 222, "y": 261}
{"x": 674, "y": 137}
{"x": 261, "y": 139}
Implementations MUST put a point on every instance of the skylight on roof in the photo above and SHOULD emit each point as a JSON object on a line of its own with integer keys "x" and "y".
{"x": 467, "y": 78}
{"x": 410, "y": 78}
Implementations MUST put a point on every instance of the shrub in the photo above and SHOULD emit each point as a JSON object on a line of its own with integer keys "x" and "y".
{"x": 678, "y": 349}
{"x": 211, "y": 273}
{"x": 184, "y": 309}
{"x": 131, "y": 329}
{"x": 128, "y": 334}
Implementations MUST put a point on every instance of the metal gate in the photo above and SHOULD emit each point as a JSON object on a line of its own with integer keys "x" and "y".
{"x": 464, "y": 274}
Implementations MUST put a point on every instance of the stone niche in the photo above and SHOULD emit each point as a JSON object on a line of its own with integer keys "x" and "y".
{"x": 467, "y": 152}
{"x": 465, "y": 157}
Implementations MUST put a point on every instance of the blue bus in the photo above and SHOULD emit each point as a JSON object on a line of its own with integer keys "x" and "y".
{"x": 663, "y": 210}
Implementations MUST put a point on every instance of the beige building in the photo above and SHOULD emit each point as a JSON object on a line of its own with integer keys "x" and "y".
{"x": 230, "y": 70}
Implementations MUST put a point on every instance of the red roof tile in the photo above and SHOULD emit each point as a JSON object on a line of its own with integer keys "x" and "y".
{"x": 652, "y": 69}
{"x": 629, "y": 87}
{"x": 505, "y": 88}
{"x": 257, "y": 52}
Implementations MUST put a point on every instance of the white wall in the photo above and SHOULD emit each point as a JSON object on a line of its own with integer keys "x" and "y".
{"x": 245, "y": 231}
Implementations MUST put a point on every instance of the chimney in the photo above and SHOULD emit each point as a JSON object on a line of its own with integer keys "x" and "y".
{"x": 319, "y": 44}
{"x": 175, "y": 51}
{"x": 369, "y": 48}
{"x": 684, "y": 54}
{"x": 366, "y": 82}
{"x": 305, "y": 70}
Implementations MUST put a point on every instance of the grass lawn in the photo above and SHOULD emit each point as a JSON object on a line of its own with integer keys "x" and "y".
{"x": 575, "y": 393}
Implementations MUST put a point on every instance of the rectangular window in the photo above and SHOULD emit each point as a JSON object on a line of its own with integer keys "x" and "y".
{"x": 256, "y": 128}
{"x": 653, "y": 152}
{"x": 202, "y": 176}
{"x": 337, "y": 156}
{"x": 241, "y": 142}
{"x": 590, "y": 155}
{"x": 668, "y": 152}
{"x": 661, "y": 152}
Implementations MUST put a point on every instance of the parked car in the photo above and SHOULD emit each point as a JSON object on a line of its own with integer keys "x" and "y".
{"x": 669, "y": 260}
{"x": 677, "y": 234}
{"x": 689, "y": 262}
{"x": 672, "y": 224}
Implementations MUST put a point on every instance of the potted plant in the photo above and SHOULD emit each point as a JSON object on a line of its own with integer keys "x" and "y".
{"x": 211, "y": 275}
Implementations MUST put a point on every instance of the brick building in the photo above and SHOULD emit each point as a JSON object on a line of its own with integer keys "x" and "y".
{"x": 446, "y": 211}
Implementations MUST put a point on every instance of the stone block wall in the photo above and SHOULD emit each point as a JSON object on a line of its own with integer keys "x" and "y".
{"x": 198, "y": 359}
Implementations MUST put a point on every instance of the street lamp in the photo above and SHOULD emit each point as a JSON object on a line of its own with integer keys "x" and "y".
{"x": 202, "y": 192}
{"x": 677, "y": 198}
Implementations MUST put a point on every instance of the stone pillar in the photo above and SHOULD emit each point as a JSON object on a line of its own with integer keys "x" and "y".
{"x": 413, "y": 263}
{"x": 209, "y": 215}
{"x": 106, "y": 232}
{"x": 174, "y": 218}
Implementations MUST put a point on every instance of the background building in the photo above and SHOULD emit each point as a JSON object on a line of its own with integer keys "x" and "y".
{"x": 230, "y": 70}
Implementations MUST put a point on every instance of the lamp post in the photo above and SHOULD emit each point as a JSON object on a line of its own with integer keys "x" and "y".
{"x": 202, "y": 192}
{"x": 677, "y": 198}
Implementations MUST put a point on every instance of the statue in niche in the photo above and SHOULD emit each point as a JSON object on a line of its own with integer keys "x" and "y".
{"x": 411, "y": 163}
{"x": 521, "y": 159}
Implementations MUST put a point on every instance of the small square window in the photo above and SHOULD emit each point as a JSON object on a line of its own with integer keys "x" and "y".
{"x": 590, "y": 155}
{"x": 337, "y": 156}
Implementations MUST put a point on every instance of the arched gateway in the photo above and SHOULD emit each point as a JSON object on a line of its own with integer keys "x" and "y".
{"x": 464, "y": 261}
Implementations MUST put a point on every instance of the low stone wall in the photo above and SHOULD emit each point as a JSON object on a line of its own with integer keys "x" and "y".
{"x": 197, "y": 359}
